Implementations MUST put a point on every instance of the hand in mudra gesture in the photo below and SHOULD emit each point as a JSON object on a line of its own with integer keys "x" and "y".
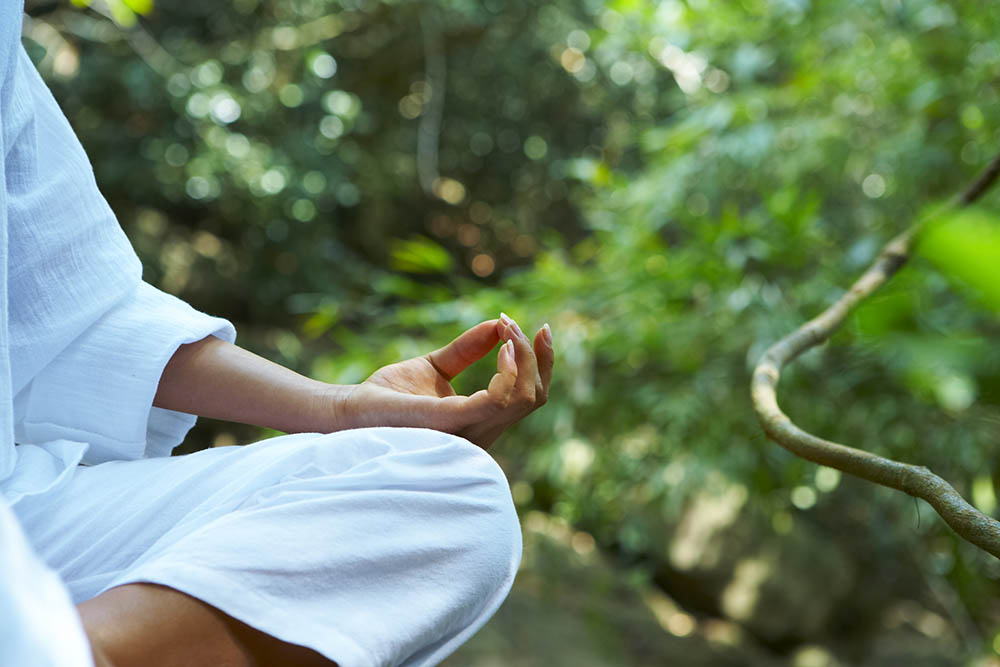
{"x": 418, "y": 392}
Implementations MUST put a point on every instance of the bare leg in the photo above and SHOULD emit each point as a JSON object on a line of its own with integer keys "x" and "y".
{"x": 147, "y": 625}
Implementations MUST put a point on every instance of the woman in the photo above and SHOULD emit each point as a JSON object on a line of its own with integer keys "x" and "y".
{"x": 380, "y": 534}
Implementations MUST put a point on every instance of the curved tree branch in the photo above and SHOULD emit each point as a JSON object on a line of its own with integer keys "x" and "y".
{"x": 964, "y": 519}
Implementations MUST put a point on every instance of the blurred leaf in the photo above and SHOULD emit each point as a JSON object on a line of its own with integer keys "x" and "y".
{"x": 419, "y": 255}
{"x": 122, "y": 13}
{"x": 883, "y": 312}
{"x": 982, "y": 494}
{"x": 965, "y": 246}
{"x": 320, "y": 322}
{"x": 139, "y": 6}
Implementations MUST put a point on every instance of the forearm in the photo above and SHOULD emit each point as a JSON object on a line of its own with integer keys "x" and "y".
{"x": 213, "y": 378}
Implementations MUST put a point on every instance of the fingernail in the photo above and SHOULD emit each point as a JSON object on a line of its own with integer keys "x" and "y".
{"x": 548, "y": 333}
{"x": 510, "y": 347}
{"x": 507, "y": 321}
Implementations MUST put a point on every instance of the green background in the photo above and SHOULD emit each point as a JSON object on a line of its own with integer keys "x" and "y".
{"x": 672, "y": 186}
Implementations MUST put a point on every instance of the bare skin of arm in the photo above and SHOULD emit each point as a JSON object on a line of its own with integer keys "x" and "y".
{"x": 149, "y": 626}
{"x": 212, "y": 378}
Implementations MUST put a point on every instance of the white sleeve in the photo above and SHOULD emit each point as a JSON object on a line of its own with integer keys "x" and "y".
{"x": 100, "y": 388}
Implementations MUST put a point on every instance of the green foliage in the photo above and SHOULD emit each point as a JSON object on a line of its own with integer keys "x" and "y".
{"x": 965, "y": 246}
{"x": 419, "y": 255}
{"x": 124, "y": 12}
{"x": 672, "y": 186}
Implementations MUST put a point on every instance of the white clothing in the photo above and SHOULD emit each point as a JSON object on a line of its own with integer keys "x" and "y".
{"x": 83, "y": 339}
{"x": 422, "y": 536}
{"x": 38, "y": 624}
{"x": 367, "y": 546}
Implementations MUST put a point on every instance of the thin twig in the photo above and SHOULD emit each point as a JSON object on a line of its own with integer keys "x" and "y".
{"x": 918, "y": 481}
{"x": 435, "y": 75}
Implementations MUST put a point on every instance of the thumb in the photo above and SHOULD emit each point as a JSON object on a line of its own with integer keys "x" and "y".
{"x": 469, "y": 347}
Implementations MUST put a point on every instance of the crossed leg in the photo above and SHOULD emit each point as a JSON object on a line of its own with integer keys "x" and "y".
{"x": 375, "y": 546}
{"x": 147, "y": 625}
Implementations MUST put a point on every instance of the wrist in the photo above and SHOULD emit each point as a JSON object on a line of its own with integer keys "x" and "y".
{"x": 330, "y": 408}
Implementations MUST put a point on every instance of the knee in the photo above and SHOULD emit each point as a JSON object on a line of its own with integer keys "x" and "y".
{"x": 491, "y": 522}
{"x": 461, "y": 496}
{"x": 442, "y": 486}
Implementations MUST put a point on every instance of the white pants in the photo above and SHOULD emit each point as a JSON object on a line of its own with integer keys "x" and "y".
{"x": 373, "y": 547}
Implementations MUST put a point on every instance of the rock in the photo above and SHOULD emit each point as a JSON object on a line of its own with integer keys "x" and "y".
{"x": 725, "y": 555}
{"x": 913, "y": 636}
{"x": 570, "y": 607}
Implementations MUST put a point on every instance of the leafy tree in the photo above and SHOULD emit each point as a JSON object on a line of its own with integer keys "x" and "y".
{"x": 673, "y": 186}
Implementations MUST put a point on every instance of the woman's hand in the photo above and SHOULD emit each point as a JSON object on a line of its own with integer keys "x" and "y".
{"x": 418, "y": 392}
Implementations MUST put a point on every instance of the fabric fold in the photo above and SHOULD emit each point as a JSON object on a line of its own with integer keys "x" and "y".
{"x": 42, "y": 468}
{"x": 100, "y": 389}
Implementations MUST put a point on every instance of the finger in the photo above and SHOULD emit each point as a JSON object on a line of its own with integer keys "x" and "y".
{"x": 468, "y": 348}
{"x": 487, "y": 403}
{"x": 503, "y": 384}
{"x": 527, "y": 367}
{"x": 545, "y": 357}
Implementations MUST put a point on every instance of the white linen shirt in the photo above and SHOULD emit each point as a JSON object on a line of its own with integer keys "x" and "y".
{"x": 83, "y": 341}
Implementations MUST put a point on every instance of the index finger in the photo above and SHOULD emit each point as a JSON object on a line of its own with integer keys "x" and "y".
{"x": 527, "y": 365}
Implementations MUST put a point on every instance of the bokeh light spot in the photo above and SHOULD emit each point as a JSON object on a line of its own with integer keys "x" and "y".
{"x": 621, "y": 72}
{"x": 578, "y": 40}
{"x": 291, "y": 95}
{"x": 827, "y": 479}
{"x": 303, "y": 210}
{"x": 680, "y": 624}
{"x": 449, "y": 190}
{"x": 483, "y": 265}
{"x": 803, "y": 497}
{"x": 199, "y": 187}
{"x": 323, "y": 65}
{"x": 468, "y": 235}
{"x": 272, "y": 181}
{"x": 314, "y": 182}
{"x": 237, "y": 145}
{"x": 199, "y": 105}
{"x": 331, "y": 127}
{"x": 341, "y": 103}
{"x": 873, "y": 186}
{"x": 208, "y": 73}
{"x": 225, "y": 109}
{"x": 175, "y": 155}
{"x": 535, "y": 147}
{"x": 572, "y": 60}
{"x": 410, "y": 107}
